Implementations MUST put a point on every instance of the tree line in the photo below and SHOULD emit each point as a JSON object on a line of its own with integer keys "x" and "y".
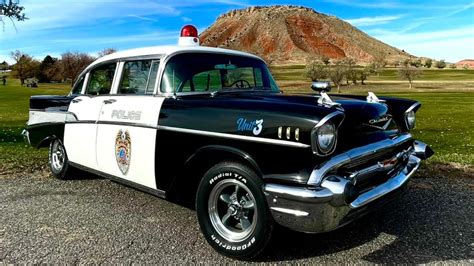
{"x": 346, "y": 69}
{"x": 51, "y": 69}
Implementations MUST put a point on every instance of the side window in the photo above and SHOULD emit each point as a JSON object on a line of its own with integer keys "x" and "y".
{"x": 100, "y": 79}
{"x": 257, "y": 72}
{"x": 76, "y": 90}
{"x": 138, "y": 77}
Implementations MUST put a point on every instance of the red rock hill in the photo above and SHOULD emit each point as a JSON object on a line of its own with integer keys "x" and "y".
{"x": 292, "y": 34}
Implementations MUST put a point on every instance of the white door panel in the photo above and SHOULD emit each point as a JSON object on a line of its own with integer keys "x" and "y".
{"x": 141, "y": 166}
{"x": 80, "y": 136}
{"x": 136, "y": 117}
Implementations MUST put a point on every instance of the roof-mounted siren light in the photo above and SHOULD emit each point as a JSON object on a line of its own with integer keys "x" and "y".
{"x": 189, "y": 36}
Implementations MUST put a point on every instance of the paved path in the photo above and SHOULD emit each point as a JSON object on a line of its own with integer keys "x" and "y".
{"x": 96, "y": 220}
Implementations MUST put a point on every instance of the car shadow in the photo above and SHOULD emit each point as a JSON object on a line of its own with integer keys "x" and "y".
{"x": 430, "y": 222}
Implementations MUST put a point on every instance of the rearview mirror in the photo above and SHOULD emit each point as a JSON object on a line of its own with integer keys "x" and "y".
{"x": 225, "y": 67}
{"x": 321, "y": 86}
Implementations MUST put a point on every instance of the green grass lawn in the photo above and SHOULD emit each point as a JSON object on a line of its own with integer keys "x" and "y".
{"x": 15, "y": 154}
{"x": 445, "y": 121}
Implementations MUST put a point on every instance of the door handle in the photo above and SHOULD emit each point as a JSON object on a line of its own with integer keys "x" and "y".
{"x": 109, "y": 101}
{"x": 76, "y": 100}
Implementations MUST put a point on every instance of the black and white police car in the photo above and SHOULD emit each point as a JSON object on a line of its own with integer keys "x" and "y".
{"x": 211, "y": 126}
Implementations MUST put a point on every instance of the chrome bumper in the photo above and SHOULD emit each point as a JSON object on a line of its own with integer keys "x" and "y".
{"x": 26, "y": 136}
{"x": 333, "y": 201}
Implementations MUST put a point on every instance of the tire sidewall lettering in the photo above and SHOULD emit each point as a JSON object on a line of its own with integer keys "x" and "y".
{"x": 223, "y": 244}
{"x": 227, "y": 174}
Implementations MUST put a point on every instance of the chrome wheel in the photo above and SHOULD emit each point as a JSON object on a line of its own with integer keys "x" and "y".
{"x": 57, "y": 156}
{"x": 232, "y": 210}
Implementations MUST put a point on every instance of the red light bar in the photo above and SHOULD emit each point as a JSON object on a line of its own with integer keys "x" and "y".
{"x": 189, "y": 31}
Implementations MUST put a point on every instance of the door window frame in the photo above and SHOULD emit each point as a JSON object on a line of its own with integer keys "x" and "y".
{"x": 119, "y": 74}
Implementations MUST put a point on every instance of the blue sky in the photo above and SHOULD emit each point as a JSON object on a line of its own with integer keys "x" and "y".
{"x": 433, "y": 28}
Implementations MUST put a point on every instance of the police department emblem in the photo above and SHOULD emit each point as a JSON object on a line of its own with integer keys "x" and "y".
{"x": 123, "y": 149}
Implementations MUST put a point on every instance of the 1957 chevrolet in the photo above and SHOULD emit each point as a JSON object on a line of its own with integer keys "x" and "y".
{"x": 210, "y": 125}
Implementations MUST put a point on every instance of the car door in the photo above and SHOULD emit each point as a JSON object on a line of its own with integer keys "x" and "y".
{"x": 80, "y": 135}
{"x": 127, "y": 126}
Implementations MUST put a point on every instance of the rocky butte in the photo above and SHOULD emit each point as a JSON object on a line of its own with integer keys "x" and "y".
{"x": 293, "y": 34}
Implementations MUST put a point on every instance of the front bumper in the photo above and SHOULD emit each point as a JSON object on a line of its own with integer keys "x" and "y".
{"x": 331, "y": 200}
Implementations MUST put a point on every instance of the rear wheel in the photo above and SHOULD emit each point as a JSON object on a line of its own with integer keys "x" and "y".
{"x": 58, "y": 161}
{"x": 232, "y": 211}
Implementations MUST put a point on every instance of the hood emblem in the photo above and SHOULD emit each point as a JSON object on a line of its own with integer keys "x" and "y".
{"x": 123, "y": 150}
{"x": 380, "y": 123}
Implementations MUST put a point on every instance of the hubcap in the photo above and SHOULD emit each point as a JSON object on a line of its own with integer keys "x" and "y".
{"x": 232, "y": 210}
{"x": 57, "y": 155}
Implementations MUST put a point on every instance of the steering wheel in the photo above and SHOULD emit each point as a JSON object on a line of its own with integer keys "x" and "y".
{"x": 242, "y": 85}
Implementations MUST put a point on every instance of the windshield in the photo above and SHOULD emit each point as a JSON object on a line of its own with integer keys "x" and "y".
{"x": 205, "y": 72}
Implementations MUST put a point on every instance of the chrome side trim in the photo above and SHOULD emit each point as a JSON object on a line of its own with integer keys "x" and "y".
{"x": 156, "y": 192}
{"x": 237, "y": 137}
{"x": 319, "y": 172}
{"x": 290, "y": 211}
{"x": 389, "y": 186}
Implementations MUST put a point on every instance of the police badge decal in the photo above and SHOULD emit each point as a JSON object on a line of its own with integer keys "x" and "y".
{"x": 123, "y": 149}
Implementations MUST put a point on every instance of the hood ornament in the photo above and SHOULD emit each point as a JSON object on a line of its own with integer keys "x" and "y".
{"x": 372, "y": 98}
{"x": 322, "y": 87}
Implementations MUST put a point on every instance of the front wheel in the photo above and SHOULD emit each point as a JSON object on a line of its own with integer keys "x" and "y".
{"x": 58, "y": 161}
{"x": 232, "y": 211}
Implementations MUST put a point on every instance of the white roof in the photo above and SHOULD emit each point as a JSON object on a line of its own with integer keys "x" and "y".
{"x": 165, "y": 51}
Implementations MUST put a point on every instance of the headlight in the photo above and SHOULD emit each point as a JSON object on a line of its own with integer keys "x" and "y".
{"x": 410, "y": 119}
{"x": 324, "y": 138}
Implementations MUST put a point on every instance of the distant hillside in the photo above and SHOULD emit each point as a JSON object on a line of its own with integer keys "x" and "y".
{"x": 292, "y": 34}
{"x": 468, "y": 62}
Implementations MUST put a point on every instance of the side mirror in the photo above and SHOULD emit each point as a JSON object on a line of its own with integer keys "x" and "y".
{"x": 321, "y": 86}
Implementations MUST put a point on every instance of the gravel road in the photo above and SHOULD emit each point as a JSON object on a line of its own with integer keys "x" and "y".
{"x": 44, "y": 220}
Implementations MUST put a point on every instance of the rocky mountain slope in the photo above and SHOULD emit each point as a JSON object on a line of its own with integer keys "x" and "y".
{"x": 293, "y": 34}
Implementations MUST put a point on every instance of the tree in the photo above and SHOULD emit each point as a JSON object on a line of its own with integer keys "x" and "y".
{"x": 351, "y": 73}
{"x": 12, "y": 10}
{"x": 72, "y": 64}
{"x": 315, "y": 70}
{"x": 378, "y": 62}
{"x": 106, "y": 51}
{"x": 363, "y": 75}
{"x": 25, "y": 66}
{"x": 453, "y": 66}
{"x": 440, "y": 64}
{"x": 44, "y": 74}
{"x": 4, "y": 66}
{"x": 416, "y": 63}
{"x": 408, "y": 72}
{"x": 428, "y": 63}
{"x": 337, "y": 73}
{"x": 326, "y": 60}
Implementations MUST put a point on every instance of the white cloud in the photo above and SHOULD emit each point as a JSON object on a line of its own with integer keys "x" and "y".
{"x": 397, "y": 5}
{"x": 186, "y": 19}
{"x": 143, "y": 18}
{"x": 370, "y": 21}
{"x": 452, "y": 45}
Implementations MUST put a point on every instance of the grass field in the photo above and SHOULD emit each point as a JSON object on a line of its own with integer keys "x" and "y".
{"x": 446, "y": 120}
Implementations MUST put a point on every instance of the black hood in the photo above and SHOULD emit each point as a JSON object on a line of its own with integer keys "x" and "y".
{"x": 356, "y": 111}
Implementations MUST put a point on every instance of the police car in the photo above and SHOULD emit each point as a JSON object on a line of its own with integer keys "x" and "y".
{"x": 210, "y": 126}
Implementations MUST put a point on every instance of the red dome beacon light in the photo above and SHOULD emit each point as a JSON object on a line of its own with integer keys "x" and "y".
{"x": 189, "y": 36}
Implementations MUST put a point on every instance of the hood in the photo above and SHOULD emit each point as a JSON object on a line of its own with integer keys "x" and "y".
{"x": 356, "y": 111}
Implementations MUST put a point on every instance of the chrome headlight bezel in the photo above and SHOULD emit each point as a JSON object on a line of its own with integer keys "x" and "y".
{"x": 319, "y": 136}
{"x": 410, "y": 116}
{"x": 410, "y": 119}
